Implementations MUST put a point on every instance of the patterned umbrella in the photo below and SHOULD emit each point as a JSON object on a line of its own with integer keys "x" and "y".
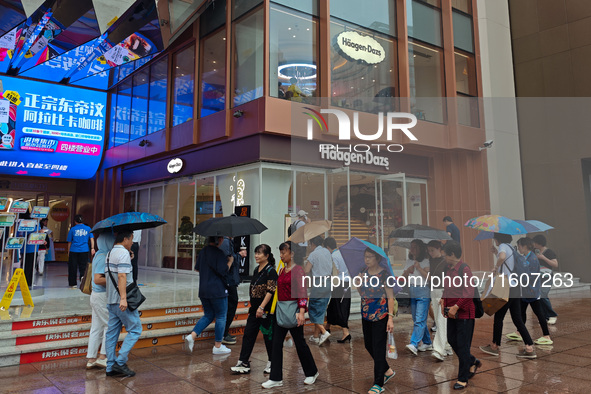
{"x": 500, "y": 224}
{"x": 533, "y": 226}
{"x": 129, "y": 221}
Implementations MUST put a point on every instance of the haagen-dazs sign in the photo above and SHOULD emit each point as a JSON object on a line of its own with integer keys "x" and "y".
{"x": 363, "y": 48}
{"x": 175, "y": 165}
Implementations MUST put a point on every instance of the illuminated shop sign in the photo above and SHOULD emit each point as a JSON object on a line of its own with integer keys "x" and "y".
{"x": 363, "y": 48}
{"x": 50, "y": 130}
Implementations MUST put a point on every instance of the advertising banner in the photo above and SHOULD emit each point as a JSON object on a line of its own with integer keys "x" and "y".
{"x": 27, "y": 225}
{"x": 7, "y": 220}
{"x": 15, "y": 243}
{"x": 36, "y": 239}
{"x": 50, "y": 130}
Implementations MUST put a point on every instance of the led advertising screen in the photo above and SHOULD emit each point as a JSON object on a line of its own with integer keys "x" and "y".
{"x": 50, "y": 130}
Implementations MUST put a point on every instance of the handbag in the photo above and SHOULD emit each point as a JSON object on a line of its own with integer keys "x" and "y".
{"x": 286, "y": 314}
{"x": 135, "y": 298}
{"x": 496, "y": 296}
{"x": 86, "y": 281}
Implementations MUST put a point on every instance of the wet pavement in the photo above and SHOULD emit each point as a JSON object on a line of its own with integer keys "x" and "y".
{"x": 344, "y": 368}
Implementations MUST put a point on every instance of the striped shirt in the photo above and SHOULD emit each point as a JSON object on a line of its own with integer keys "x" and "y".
{"x": 119, "y": 261}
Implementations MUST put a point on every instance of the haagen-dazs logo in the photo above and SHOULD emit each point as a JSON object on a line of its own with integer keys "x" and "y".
{"x": 175, "y": 165}
{"x": 361, "y": 153}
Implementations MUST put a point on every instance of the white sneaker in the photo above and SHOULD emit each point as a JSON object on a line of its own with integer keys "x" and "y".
{"x": 101, "y": 363}
{"x": 272, "y": 383}
{"x": 323, "y": 338}
{"x": 438, "y": 356}
{"x": 288, "y": 342}
{"x": 434, "y": 328}
{"x": 241, "y": 368}
{"x": 311, "y": 379}
{"x": 189, "y": 342}
{"x": 267, "y": 369}
{"x": 423, "y": 348}
{"x": 412, "y": 349}
{"x": 449, "y": 352}
{"x": 552, "y": 320}
{"x": 313, "y": 339}
{"x": 221, "y": 350}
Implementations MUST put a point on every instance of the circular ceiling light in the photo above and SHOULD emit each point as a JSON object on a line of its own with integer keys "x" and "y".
{"x": 297, "y": 70}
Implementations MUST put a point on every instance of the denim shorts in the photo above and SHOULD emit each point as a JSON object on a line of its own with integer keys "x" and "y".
{"x": 317, "y": 309}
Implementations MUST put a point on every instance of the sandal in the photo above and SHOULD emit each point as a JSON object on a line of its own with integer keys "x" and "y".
{"x": 543, "y": 341}
{"x": 387, "y": 378}
{"x": 514, "y": 337}
{"x": 375, "y": 389}
{"x": 477, "y": 364}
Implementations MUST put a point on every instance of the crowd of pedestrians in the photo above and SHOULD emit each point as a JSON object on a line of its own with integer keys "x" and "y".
{"x": 279, "y": 300}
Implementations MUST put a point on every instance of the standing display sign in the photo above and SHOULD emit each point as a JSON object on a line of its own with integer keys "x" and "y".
{"x": 3, "y": 203}
{"x": 6, "y": 221}
{"x": 27, "y": 225}
{"x": 15, "y": 242}
{"x": 19, "y": 207}
{"x": 243, "y": 242}
{"x": 36, "y": 239}
{"x": 40, "y": 212}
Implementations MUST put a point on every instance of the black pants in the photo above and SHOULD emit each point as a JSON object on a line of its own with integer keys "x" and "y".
{"x": 76, "y": 261}
{"x": 251, "y": 331}
{"x": 339, "y": 308}
{"x": 376, "y": 340}
{"x": 28, "y": 268}
{"x": 459, "y": 336}
{"x": 232, "y": 305}
{"x": 514, "y": 306}
{"x": 135, "y": 248}
{"x": 536, "y": 306}
{"x": 304, "y": 354}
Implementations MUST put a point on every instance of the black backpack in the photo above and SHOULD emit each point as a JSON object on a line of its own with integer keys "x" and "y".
{"x": 478, "y": 307}
{"x": 292, "y": 228}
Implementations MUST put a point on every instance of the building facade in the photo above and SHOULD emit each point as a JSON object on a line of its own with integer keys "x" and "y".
{"x": 214, "y": 122}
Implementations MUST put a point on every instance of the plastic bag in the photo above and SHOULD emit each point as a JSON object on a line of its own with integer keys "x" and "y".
{"x": 392, "y": 352}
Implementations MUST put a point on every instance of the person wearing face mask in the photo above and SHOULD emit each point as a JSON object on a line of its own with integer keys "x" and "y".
{"x": 262, "y": 288}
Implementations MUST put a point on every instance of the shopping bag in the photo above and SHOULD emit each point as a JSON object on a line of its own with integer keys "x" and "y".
{"x": 392, "y": 353}
{"x": 497, "y": 294}
{"x": 86, "y": 280}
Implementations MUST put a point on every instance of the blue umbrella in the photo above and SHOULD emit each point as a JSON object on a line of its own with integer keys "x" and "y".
{"x": 353, "y": 254}
{"x": 129, "y": 221}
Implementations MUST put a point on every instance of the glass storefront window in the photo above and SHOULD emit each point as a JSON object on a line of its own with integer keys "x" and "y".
{"x": 139, "y": 105}
{"x": 467, "y": 91}
{"x": 310, "y": 194}
{"x": 434, "y": 3}
{"x": 154, "y": 239}
{"x": 424, "y": 22}
{"x": 183, "y": 78}
{"x": 358, "y": 85}
{"x": 158, "y": 91}
{"x": 185, "y": 219}
{"x": 169, "y": 230}
{"x": 307, "y": 6}
{"x": 143, "y": 205}
{"x": 293, "y": 54}
{"x": 248, "y": 58}
{"x": 113, "y": 127}
{"x": 213, "y": 73}
{"x": 123, "y": 113}
{"x": 462, "y": 5}
{"x": 213, "y": 18}
{"x": 241, "y": 7}
{"x": 379, "y": 16}
{"x": 426, "y": 82}
{"x": 463, "y": 38}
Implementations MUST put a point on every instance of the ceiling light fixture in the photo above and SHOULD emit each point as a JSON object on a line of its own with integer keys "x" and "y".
{"x": 307, "y": 67}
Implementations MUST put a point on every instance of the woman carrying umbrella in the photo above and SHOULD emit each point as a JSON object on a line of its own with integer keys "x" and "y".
{"x": 377, "y": 310}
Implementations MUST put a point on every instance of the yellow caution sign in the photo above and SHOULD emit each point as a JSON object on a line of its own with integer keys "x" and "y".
{"x": 12, "y": 96}
{"x": 18, "y": 279}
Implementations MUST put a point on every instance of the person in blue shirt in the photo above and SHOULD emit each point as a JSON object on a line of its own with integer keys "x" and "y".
{"x": 452, "y": 229}
{"x": 78, "y": 237}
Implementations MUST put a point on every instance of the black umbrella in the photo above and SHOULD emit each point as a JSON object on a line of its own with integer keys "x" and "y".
{"x": 230, "y": 226}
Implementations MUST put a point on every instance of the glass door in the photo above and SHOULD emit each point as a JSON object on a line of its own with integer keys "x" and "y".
{"x": 392, "y": 213}
{"x": 338, "y": 202}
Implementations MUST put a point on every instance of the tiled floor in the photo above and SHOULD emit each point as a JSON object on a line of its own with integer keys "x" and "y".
{"x": 344, "y": 368}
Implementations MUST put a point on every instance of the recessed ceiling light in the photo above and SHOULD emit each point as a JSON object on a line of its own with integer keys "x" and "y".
{"x": 294, "y": 37}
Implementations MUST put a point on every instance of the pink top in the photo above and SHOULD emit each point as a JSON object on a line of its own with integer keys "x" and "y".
{"x": 291, "y": 286}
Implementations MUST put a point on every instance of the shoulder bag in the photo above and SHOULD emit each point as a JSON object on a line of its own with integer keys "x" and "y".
{"x": 86, "y": 281}
{"x": 135, "y": 298}
{"x": 285, "y": 313}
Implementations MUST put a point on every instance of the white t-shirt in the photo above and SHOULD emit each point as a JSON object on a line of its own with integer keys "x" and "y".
{"x": 321, "y": 261}
{"x": 416, "y": 274}
{"x": 137, "y": 236}
{"x": 509, "y": 261}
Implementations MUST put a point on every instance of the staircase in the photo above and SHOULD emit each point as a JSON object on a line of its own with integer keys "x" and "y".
{"x": 340, "y": 228}
{"x": 62, "y": 336}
